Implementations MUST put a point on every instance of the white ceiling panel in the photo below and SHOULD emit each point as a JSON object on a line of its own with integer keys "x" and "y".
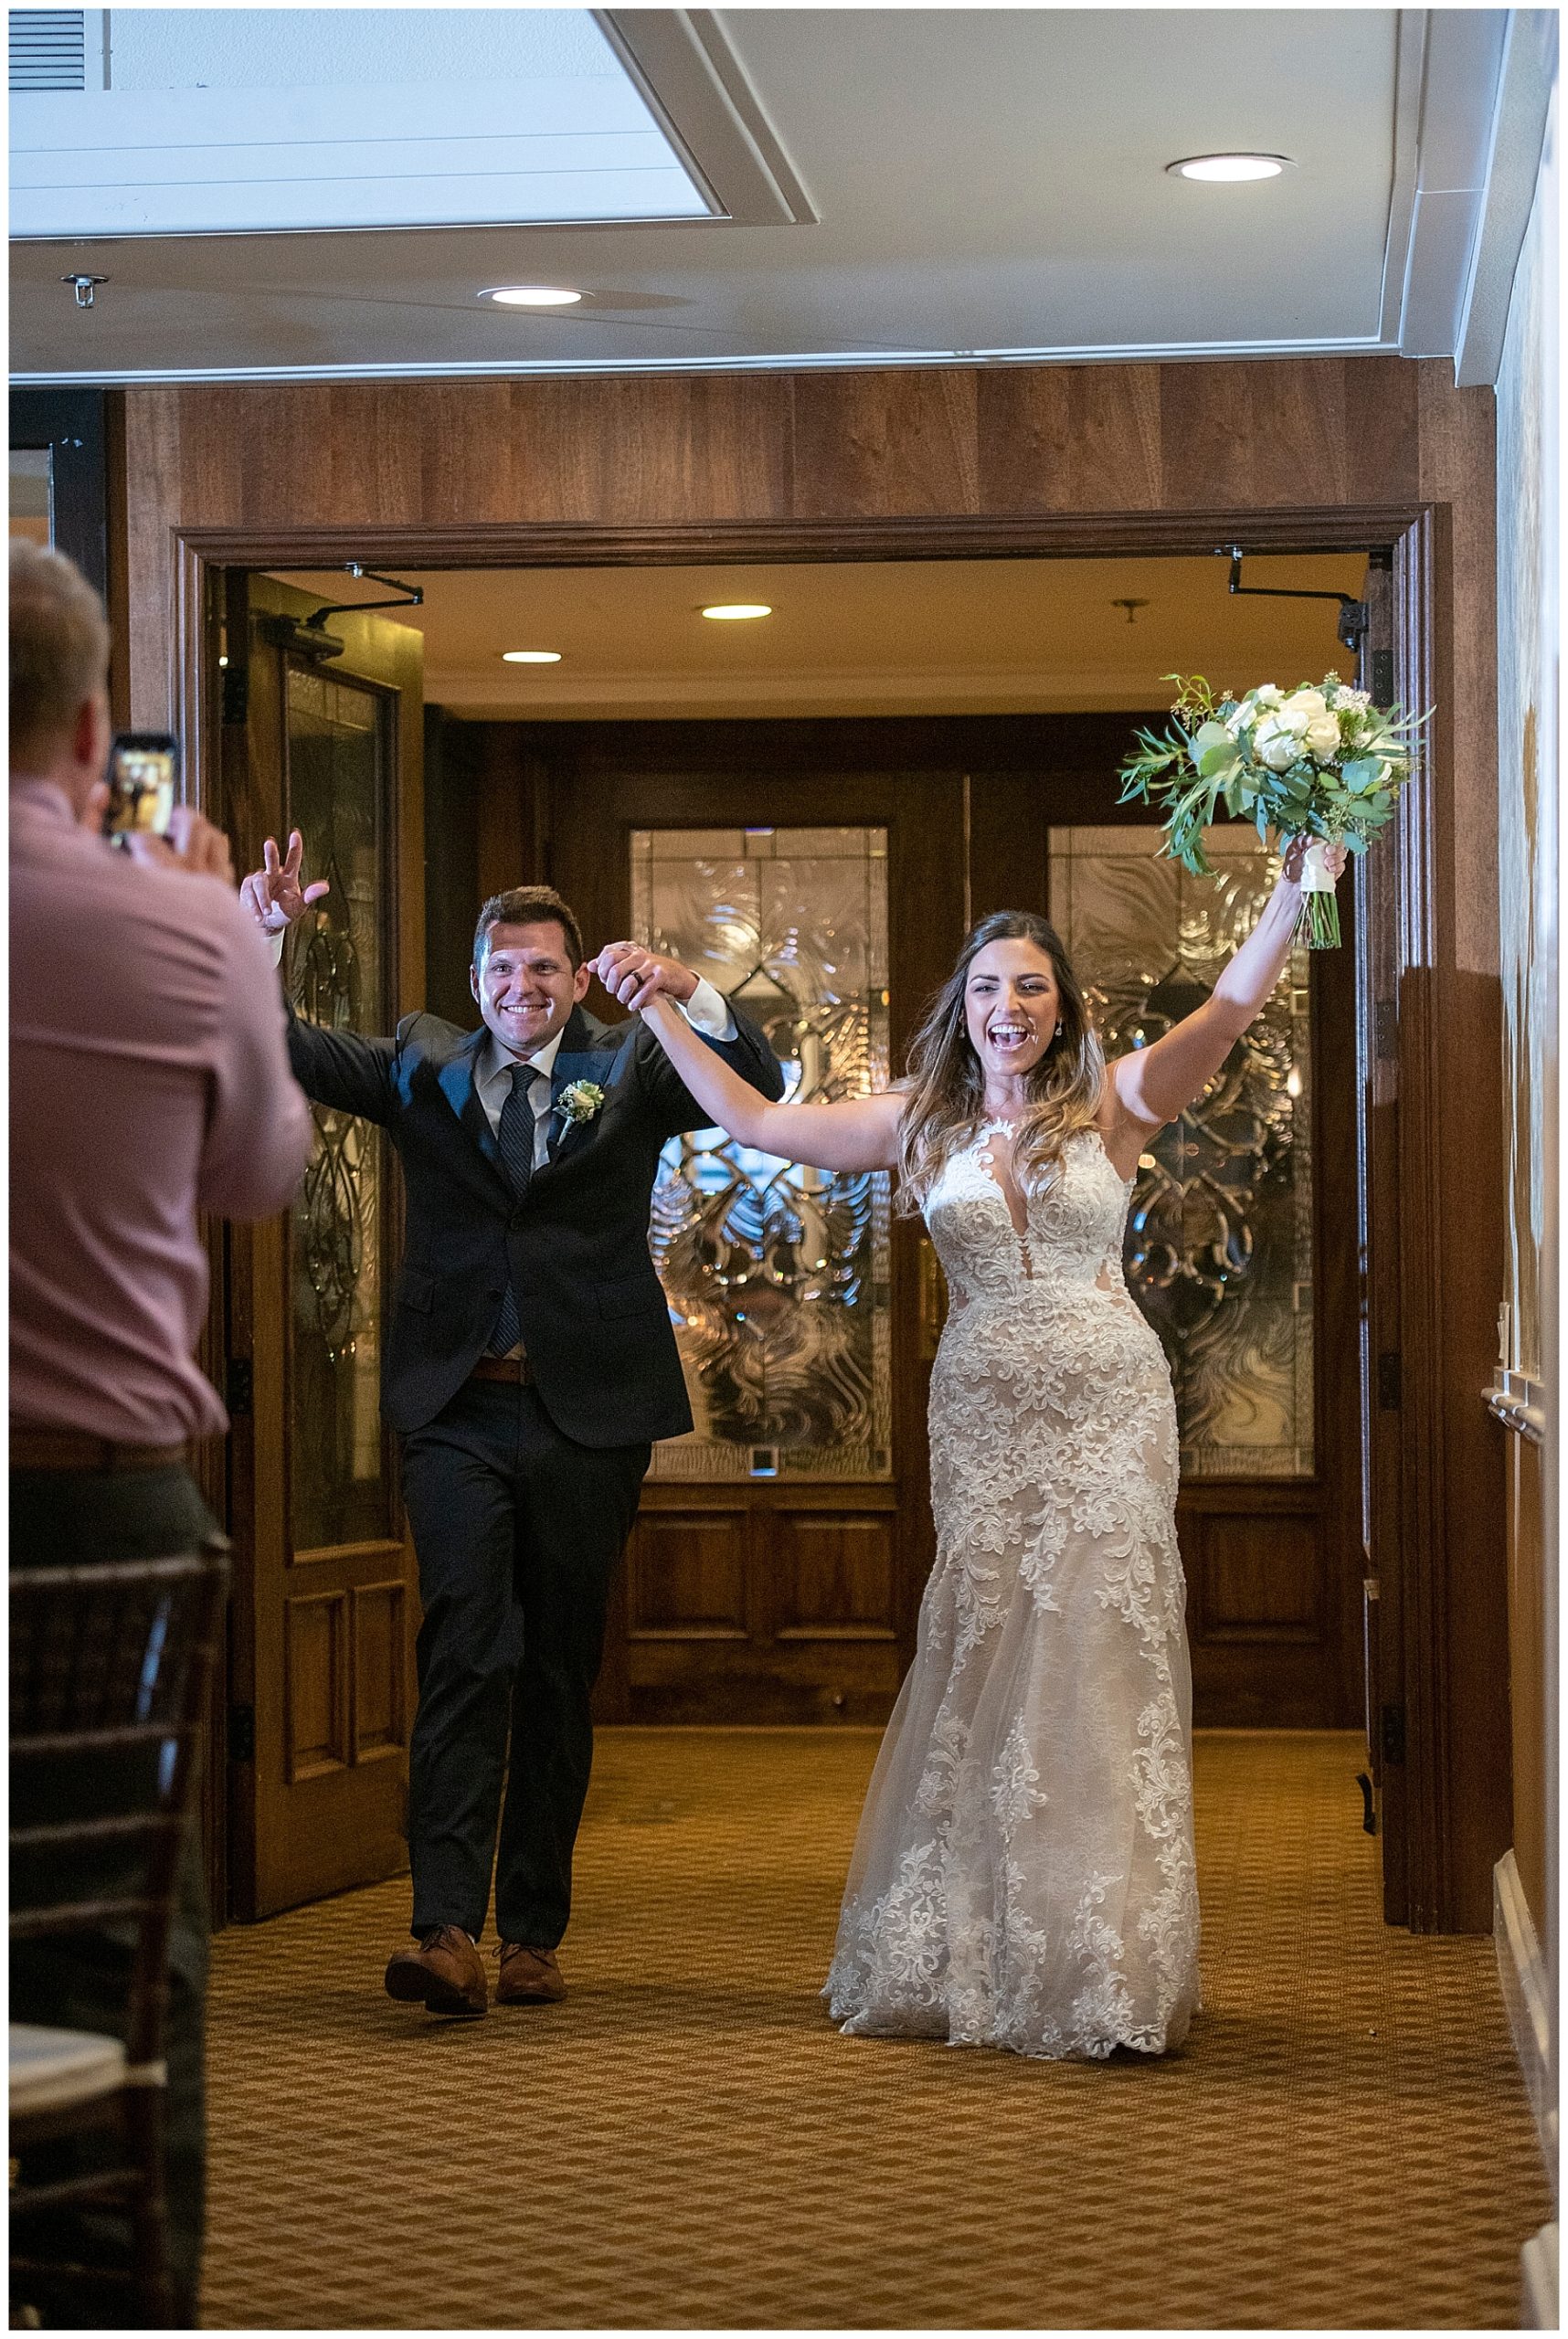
{"x": 901, "y": 185}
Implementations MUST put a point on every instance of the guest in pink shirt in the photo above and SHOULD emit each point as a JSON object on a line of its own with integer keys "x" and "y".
{"x": 149, "y": 1081}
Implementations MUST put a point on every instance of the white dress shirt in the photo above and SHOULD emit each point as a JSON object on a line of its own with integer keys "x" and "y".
{"x": 706, "y": 1010}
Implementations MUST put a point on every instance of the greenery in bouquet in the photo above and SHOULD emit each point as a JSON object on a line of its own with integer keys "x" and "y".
{"x": 1318, "y": 761}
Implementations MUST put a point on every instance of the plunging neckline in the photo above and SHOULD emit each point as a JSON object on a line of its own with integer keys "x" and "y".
{"x": 985, "y": 1154}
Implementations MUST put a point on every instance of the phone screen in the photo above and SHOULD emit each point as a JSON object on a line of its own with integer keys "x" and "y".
{"x": 143, "y": 779}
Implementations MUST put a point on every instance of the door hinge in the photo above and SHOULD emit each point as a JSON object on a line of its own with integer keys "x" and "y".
{"x": 1380, "y": 678}
{"x": 1390, "y": 1389}
{"x": 1393, "y": 1734}
{"x": 242, "y": 1733}
{"x": 239, "y": 1387}
{"x": 1385, "y": 1028}
{"x": 235, "y": 692}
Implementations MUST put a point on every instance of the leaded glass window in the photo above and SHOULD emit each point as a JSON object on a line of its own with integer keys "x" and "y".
{"x": 339, "y": 1491}
{"x": 778, "y": 1275}
{"x": 1219, "y": 1244}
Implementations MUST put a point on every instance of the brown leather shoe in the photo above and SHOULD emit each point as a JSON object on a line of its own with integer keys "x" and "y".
{"x": 529, "y": 1977}
{"x": 444, "y": 1971}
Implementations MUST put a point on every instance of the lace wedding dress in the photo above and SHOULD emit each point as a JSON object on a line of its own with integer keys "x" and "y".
{"x": 1024, "y": 1875}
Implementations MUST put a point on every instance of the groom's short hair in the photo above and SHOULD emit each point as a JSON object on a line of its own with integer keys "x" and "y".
{"x": 529, "y": 906}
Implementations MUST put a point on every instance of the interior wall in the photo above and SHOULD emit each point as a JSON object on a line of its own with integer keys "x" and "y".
{"x": 1528, "y": 632}
{"x": 1117, "y": 442}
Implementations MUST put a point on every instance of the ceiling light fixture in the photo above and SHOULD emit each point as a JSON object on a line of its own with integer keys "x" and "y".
{"x": 1229, "y": 169}
{"x": 531, "y": 657}
{"x": 530, "y": 296}
{"x": 728, "y": 611}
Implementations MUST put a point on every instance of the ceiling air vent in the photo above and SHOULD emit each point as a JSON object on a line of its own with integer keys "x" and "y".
{"x": 48, "y": 48}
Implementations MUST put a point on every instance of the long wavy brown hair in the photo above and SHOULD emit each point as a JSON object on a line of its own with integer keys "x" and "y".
{"x": 946, "y": 1082}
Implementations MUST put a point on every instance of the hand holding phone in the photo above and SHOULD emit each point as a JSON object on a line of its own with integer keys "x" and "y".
{"x": 143, "y": 779}
{"x": 192, "y": 844}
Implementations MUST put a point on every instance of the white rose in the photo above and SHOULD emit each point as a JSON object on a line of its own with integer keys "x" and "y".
{"x": 1276, "y": 743}
{"x": 1323, "y": 736}
{"x": 1267, "y": 695}
{"x": 1306, "y": 706}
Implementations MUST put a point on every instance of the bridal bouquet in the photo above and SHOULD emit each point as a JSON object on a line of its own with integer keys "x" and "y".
{"x": 1318, "y": 761}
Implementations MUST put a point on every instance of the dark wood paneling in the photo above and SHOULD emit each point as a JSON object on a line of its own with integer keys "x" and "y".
{"x": 378, "y": 1626}
{"x": 1261, "y": 1579}
{"x": 833, "y": 1574}
{"x": 885, "y": 442}
{"x": 1451, "y": 1110}
{"x": 1070, "y": 439}
{"x": 316, "y": 1684}
{"x": 686, "y": 1576}
{"x": 1254, "y": 434}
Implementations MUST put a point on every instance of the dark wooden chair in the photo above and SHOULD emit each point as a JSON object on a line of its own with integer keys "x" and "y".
{"x": 110, "y": 1672}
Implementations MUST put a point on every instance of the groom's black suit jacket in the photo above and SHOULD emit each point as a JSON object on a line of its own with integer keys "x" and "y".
{"x": 596, "y": 1329}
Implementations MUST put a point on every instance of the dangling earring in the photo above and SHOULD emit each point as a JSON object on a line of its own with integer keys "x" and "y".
{"x": 1058, "y": 1031}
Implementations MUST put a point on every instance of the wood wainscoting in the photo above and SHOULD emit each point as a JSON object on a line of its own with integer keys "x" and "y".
{"x": 789, "y": 1598}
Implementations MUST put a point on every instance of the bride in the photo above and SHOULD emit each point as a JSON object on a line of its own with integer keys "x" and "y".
{"x": 1024, "y": 1875}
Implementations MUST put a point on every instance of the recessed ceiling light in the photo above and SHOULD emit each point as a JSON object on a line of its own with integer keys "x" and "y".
{"x": 728, "y": 610}
{"x": 1229, "y": 168}
{"x": 530, "y": 296}
{"x": 531, "y": 657}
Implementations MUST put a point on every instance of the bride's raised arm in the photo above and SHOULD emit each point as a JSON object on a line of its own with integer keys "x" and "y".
{"x": 859, "y": 1133}
{"x": 1153, "y": 1085}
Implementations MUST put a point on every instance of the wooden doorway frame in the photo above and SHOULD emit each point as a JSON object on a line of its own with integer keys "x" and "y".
{"x": 1442, "y": 1565}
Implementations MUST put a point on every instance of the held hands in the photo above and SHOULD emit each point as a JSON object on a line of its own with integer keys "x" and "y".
{"x": 1334, "y": 856}
{"x": 274, "y": 895}
{"x": 637, "y": 977}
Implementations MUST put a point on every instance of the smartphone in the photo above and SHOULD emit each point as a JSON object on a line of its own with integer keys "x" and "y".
{"x": 143, "y": 784}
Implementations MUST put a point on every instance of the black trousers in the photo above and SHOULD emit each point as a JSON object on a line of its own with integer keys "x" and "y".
{"x": 518, "y": 1530}
{"x": 64, "y": 1517}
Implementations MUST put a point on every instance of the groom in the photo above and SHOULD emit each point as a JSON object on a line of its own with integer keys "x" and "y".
{"x": 529, "y": 1366}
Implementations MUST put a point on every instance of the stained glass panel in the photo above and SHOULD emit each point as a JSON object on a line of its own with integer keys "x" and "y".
{"x": 777, "y": 1276}
{"x": 340, "y": 1488}
{"x": 1219, "y": 1246}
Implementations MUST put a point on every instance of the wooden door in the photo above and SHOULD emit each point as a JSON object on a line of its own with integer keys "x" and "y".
{"x": 775, "y": 1571}
{"x": 324, "y": 1605}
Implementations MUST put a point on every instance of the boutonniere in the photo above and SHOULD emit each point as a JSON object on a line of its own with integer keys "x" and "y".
{"x": 579, "y": 1101}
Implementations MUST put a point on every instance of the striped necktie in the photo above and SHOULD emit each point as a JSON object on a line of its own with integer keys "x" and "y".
{"x": 517, "y": 1129}
{"x": 516, "y": 1137}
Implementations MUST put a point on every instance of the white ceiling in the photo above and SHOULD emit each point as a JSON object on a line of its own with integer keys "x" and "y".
{"x": 986, "y": 183}
{"x": 872, "y": 638}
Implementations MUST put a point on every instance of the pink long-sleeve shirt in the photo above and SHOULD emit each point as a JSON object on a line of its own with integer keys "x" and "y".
{"x": 149, "y": 1079}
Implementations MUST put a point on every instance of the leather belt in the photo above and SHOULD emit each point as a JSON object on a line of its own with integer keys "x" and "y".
{"x": 37, "y": 1448}
{"x": 513, "y": 1369}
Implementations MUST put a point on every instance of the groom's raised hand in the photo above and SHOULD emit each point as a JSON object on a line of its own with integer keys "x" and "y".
{"x": 635, "y": 976}
{"x": 274, "y": 893}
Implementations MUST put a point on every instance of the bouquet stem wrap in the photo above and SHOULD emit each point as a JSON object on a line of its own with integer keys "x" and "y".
{"x": 1319, "y": 923}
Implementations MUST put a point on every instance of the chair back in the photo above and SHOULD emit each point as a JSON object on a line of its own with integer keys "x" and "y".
{"x": 109, "y": 1671}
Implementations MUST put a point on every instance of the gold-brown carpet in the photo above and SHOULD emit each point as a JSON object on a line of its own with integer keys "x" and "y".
{"x": 686, "y": 2142}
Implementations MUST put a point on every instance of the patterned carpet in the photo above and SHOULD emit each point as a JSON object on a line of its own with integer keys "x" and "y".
{"x": 687, "y": 2144}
